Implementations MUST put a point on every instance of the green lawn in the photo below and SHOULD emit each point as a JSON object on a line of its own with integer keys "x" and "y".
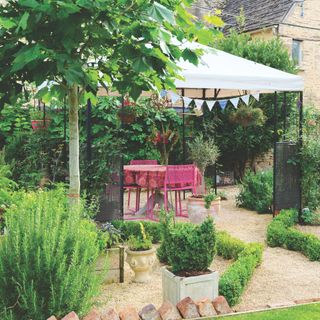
{"x": 306, "y": 312}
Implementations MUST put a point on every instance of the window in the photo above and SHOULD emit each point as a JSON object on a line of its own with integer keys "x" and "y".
{"x": 297, "y": 51}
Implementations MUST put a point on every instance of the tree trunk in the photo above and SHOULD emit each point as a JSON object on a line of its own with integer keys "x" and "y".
{"x": 74, "y": 170}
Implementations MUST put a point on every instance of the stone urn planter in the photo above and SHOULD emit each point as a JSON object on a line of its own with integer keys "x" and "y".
{"x": 197, "y": 212}
{"x": 176, "y": 288}
{"x": 110, "y": 265}
{"x": 141, "y": 263}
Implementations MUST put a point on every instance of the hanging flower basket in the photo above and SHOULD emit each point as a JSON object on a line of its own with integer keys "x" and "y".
{"x": 40, "y": 124}
{"x": 248, "y": 116}
{"x": 127, "y": 115}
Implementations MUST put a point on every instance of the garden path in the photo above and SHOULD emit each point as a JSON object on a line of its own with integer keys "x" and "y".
{"x": 282, "y": 277}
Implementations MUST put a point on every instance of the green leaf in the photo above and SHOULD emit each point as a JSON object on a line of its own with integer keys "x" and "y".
{"x": 25, "y": 56}
{"x": 214, "y": 20}
{"x": 159, "y": 13}
{"x": 190, "y": 56}
{"x": 23, "y": 21}
{"x": 6, "y": 23}
{"x": 29, "y": 3}
{"x": 140, "y": 64}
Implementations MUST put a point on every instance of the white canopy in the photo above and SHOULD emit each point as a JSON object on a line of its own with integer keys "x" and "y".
{"x": 221, "y": 70}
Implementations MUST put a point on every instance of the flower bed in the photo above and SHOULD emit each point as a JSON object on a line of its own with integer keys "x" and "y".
{"x": 281, "y": 233}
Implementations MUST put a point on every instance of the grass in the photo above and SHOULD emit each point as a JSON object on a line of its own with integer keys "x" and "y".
{"x": 305, "y": 312}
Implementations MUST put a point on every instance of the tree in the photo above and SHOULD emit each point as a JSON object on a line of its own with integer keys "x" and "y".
{"x": 77, "y": 45}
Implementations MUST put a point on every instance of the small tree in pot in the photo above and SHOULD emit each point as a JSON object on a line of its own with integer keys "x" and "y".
{"x": 203, "y": 153}
{"x": 190, "y": 250}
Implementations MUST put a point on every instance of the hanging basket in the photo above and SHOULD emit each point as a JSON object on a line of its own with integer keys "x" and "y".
{"x": 40, "y": 124}
{"x": 127, "y": 115}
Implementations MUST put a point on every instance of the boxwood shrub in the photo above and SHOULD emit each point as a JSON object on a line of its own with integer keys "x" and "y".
{"x": 281, "y": 233}
{"x": 247, "y": 257}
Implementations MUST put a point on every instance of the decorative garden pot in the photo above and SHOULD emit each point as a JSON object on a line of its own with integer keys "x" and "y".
{"x": 110, "y": 265}
{"x": 197, "y": 212}
{"x": 175, "y": 288}
{"x": 40, "y": 124}
{"x": 141, "y": 263}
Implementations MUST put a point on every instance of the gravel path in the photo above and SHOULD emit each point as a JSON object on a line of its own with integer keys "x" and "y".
{"x": 283, "y": 276}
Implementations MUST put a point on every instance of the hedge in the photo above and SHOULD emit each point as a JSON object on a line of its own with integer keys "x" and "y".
{"x": 128, "y": 228}
{"x": 281, "y": 233}
{"x": 248, "y": 256}
{"x": 234, "y": 280}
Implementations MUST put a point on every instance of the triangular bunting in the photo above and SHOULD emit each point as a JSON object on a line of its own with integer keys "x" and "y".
{"x": 198, "y": 103}
{"x": 163, "y": 93}
{"x": 256, "y": 96}
{"x": 245, "y": 99}
{"x": 174, "y": 97}
{"x": 186, "y": 101}
{"x": 235, "y": 102}
{"x": 210, "y": 104}
{"x": 223, "y": 104}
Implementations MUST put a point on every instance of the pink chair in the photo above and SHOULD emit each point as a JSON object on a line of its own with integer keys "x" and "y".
{"x": 136, "y": 188}
{"x": 179, "y": 178}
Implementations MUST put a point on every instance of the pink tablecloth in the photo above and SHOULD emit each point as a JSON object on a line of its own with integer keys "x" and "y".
{"x": 148, "y": 176}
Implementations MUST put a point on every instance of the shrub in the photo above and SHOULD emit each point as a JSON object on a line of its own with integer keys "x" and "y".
{"x": 256, "y": 191}
{"x": 191, "y": 247}
{"x": 228, "y": 247}
{"x": 280, "y": 233}
{"x": 235, "y": 279}
{"x": 132, "y": 228}
{"x": 47, "y": 258}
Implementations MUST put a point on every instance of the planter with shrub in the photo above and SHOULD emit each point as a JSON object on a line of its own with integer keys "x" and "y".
{"x": 38, "y": 121}
{"x": 141, "y": 255}
{"x": 190, "y": 250}
{"x": 110, "y": 264}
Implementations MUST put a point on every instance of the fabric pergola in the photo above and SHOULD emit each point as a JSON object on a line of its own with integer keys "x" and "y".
{"x": 221, "y": 70}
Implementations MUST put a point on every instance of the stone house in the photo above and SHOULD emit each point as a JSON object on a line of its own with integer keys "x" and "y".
{"x": 295, "y": 22}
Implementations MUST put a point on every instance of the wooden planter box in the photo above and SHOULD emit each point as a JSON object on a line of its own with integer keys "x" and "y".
{"x": 110, "y": 265}
{"x": 175, "y": 288}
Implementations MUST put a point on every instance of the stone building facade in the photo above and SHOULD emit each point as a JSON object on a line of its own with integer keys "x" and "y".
{"x": 295, "y": 22}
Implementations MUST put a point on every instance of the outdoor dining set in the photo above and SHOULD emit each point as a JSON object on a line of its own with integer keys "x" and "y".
{"x": 160, "y": 183}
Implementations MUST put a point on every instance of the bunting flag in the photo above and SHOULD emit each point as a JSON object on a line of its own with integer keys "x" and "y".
{"x": 163, "y": 93}
{"x": 223, "y": 103}
{"x": 235, "y": 102}
{"x": 245, "y": 99}
{"x": 186, "y": 101}
{"x": 174, "y": 97}
{"x": 210, "y": 104}
{"x": 198, "y": 103}
{"x": 256, "y": 96}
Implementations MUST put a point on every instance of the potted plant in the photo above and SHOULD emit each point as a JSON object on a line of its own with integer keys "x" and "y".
{"x": 38, "y": 121}
{"x": 190, "y": 250}
{"x": 110, "y": 263}
{"x": 126, "y": 112}
{"x": 141, "y": 255}
{"x": 248, "y": 116}
{"x": 203, "y": 153}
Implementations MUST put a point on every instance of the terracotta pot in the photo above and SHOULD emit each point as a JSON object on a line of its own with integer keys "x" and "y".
{"x": 196, "y": 209}
{"x": 141, "y": 263}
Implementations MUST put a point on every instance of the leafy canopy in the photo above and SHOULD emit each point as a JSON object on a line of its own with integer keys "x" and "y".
{"x": 126, "y": 45}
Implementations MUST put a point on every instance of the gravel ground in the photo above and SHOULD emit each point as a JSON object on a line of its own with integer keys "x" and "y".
{"x": 310, "y": 229}
{"x": 282, "y": 277}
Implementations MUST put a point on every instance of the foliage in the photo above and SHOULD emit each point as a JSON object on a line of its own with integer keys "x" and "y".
{"x": 310, "y": 217}
{"x": 208, "y": 198}
{"x": 47, "y": 258}
{"x": 132, "y": 228}
{"x": 141, "y": 242}
{"x": 248, "y": 256}
{"x": 240, "y": 145}
{"x": 113, "y": 235}
{"x": 203, "y": 152}
{"x": 256, "y": 191}
{"x": 310, "y": 159}
{"x": 281, "y": 233}
{"x": 228, "y": 247}
{"x": 191, "y": 247}
{"x": 248, "y": 116}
